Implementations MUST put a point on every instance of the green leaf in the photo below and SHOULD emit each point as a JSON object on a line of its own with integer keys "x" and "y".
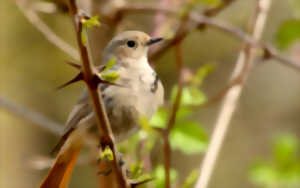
{"x": 263, "y": 174}
{"x": 136, "y": 170}
{"x": 285, "y": 149}
{"x": 183, "y": 112}
{"x": 201, "y": 74}
{"x": 110, "y": 77}
{"x": 159, "y": 119}
{"x": 188, "y": 137}
{"x": 144, "y": 122}
{"x": 288, "y": 32}
{"x": 159, "y": 174}
{"x": 191, "y": 179}
{"x": 109, "y": 64}
{"x": 107, "y": 154}
{"x": 91, "y": 22}
{"x": 190, "y": 96}
{"x": 87, "y": 24}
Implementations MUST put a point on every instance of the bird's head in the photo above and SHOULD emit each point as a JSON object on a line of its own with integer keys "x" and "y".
{"x": 129, "y": 46}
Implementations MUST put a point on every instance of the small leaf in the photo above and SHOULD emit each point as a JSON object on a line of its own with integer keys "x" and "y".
{"x": 109, "y": 64}
{"x": 183, "y": 112}
{"x": 136, "y": 170}
{"x": 144, "y": 122}
{"x": 191, "y": 179}
{"x": 159, "y": 119}
{"x": 285, "y": 149}
{"x": 107, "y": 154}
{"x": 263, "y": 174}
{"x": 159, "y": 174}
{"x": 110, "y": 77}
{"x": 288, "y": 32}
{"x": 201, "y": 74}
{"x": 87, "y": 24}
{"x": 188, "y": 137}
{"x": 190, "y": 96}
{"x": 91, "y": 22}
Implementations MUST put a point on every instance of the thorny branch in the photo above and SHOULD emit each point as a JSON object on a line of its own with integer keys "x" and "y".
{"x": 90, "y": 78}
{"x": 243, "y": 67}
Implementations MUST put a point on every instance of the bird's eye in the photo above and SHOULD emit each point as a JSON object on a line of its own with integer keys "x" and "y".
{"x": 131, "y": 43}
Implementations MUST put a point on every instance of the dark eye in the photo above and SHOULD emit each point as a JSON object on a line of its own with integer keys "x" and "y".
{"x": 131, "y": 43}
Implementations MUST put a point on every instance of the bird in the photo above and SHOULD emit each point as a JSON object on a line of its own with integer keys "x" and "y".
{"x": 138, "y": 92}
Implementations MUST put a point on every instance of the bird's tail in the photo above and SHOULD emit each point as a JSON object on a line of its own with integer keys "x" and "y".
{"x": 60, "y": 173}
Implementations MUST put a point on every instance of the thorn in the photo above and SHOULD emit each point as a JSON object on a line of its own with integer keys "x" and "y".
{"x": 267, "y": 54}
{"x": 98, "y": 80}
{"x": 77, "y": 78}
{"x": 135, "y": 184}
{"x": 100, "y": 68}
{"x": 75, "y": 65}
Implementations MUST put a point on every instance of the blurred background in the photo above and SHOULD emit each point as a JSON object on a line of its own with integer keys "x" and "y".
{"x": 31, "y": 68}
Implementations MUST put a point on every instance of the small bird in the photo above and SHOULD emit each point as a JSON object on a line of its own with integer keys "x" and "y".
{"x": 140, "y": 95}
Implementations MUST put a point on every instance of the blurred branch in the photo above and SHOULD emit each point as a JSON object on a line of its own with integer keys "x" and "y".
{"x": 35, "y": 20}
{"x": 243, "y": 67}
{"x": 269, "y": 51}
{"x": 181, "y": 33}
{"x": 45, "y": 162}
{"x": 172, "y": 118}
{"x": 160, "y": 17}
{"x": 92, "y": 80}
{"x": 201, "y": 21}
{"x": 34, "y": 117}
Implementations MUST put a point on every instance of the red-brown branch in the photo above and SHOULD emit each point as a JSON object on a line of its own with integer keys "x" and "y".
{"x": 89, "y": 74}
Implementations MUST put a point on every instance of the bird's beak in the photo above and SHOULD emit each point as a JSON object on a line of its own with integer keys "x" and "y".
{"x": 154, "y": 40}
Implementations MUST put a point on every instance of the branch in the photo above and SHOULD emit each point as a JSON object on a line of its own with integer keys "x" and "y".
{"x": 172, "y": 118}
{"x": 244, "y": 62}
{"x": 34, "y": 117}
{"x": 90, "y": 78}
{"x": 35, "y": 20}
{"x": 201, "y": 20}
{"x": 181, "y": 32}
{"x": 160, "y": 17}
{"x": 269, "y": 52}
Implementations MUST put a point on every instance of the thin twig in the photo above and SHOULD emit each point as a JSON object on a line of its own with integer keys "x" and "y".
{"x": 202, "y": 20}
{"x": 90, "y": 77}
{"x": 35, "y": 20}
{"x": 181, "y": 33}
{"x": 34, "y": 117}
{"x": 172, "y": 117}
{"x": 160, "y": 17}
{"x": 244, "y": 62}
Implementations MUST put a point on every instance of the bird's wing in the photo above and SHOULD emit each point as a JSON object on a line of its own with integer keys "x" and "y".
{"x": 81, "y": 110}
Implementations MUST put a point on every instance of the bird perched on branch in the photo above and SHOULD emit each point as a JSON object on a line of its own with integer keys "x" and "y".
{"x": 140, "y": 95}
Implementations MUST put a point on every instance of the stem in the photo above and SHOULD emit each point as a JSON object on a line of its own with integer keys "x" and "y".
{"x": 244, "y": 62}
{"x": 172, "y": 118}
{"x": 106, "y": 136}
